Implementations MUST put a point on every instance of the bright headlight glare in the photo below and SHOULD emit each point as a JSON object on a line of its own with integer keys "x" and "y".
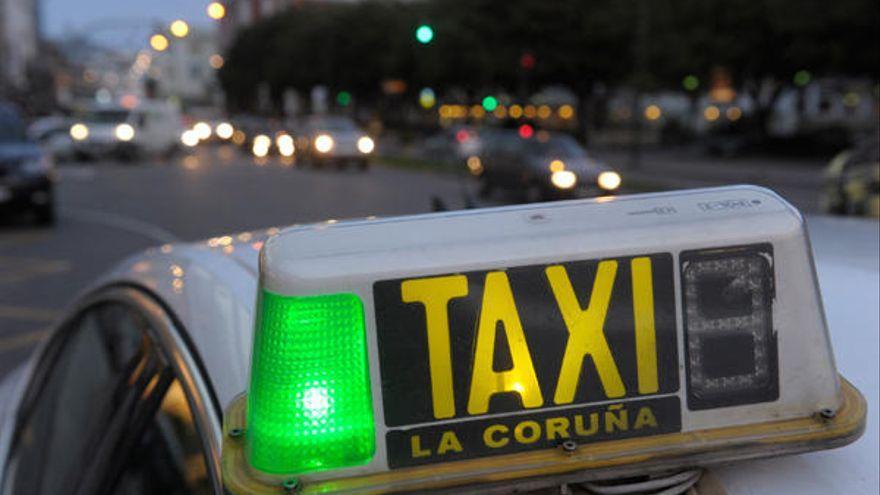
{"x": 79, "y": 132}
{"x": 262, "y": 141}
{"x": 609, "y": 180}
{"x": 366, "y": 145}
{"x": 261, "y": 146}
{"x": 224, "y": 130}
{"x": 203, "y": 130}
{"x": 260, "y": 152}
{"x": 285, "y": 145}
{"x": 190, "y": 138}
{"x": 324, "y": 143}
{"x": 563, "y": 179}
{"x": 124, "y": 132}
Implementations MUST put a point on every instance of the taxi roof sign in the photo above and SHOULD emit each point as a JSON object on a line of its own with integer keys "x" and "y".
{"x": 681, "y": 328}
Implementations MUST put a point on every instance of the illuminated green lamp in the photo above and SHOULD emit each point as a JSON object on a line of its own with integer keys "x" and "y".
{"x": 424, "y": 34}
{"x": 309, "y": 404}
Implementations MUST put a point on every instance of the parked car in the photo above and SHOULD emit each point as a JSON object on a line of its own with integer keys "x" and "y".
{"x": 540, "y": 166}
{"x": 852, "y": 181}
{"x": 26, "y": 172}
{"x": 150, "y": 128}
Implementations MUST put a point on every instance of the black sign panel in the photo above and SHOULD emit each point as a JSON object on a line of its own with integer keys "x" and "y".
{"x": 526, "y": 338}
{"x": 518, "y": 433}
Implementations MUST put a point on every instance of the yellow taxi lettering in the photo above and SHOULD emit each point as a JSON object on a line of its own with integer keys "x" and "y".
{"x": 435, "y": 294}
{"x": 616, "y": 417}
{"x": 491, "y": 438}
{"x": 645, "y": 417}
{"x": 449, "y": 441}
{"x": 557, "y": 428}
{"x": 499, "y": 306}
{"x": 585, "y": 332}
{"x": 415, "y": 443}
{"x": 646, "y": 335}
{"x": 527, "y": 432}
{"x": 579, "y": 425}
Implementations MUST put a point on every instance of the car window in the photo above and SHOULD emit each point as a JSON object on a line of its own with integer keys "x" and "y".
{"x": 168, "y": 458}
{"x": 76, "y": 400}
{"x": 107, "y": 116}
{"x": 107, "y": 416}
{"x": 332, "y": 124}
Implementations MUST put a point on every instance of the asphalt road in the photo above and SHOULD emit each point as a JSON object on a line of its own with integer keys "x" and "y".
{"x": 108, "y": 211}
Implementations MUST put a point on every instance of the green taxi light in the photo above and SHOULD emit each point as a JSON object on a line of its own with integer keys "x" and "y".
{"x": 309, "y": 404}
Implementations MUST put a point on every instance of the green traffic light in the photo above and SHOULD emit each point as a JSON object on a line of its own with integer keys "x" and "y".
{"x": 424, "y": 34}
{"x": 802, "y": 77}
{"x": 690, "y": 82}
{"x": 343, "y": 98}
{"x": 490, "y": 103}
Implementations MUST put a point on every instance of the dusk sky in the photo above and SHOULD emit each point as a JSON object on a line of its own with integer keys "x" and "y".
{"x": 125, "y": 22}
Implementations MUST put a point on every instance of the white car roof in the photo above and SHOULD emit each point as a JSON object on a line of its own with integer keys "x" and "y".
{"x": 212, "y": 287}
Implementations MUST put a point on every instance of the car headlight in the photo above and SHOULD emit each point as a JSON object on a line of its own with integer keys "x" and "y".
{"x": 261, "y": 146}
{"x": 609, "y": 181}
{"x": 203, "y": 130}
{"x": 224, "y": 130}
{"x": 79, "y": 132}
{"x": 189, "y": 138}
{"x": 563, "y": 179}
{"x": 285, "y": 145}
{"x": 323, "y": 143}
{"x": 124, "y": 132}
{"x": 366, "y": 145}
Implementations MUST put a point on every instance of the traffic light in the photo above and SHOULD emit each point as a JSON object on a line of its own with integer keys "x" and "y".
{"x": 490, "y": 103}
{"x": 424, "y": 34}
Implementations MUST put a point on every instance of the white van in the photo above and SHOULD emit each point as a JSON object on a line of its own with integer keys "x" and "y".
{"x": 149, "y": 128}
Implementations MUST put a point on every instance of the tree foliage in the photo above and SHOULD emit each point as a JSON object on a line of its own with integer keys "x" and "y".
{"x": 577, "y": 43}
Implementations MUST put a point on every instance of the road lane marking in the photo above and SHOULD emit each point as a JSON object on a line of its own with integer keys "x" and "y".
{"x": 23, "y": 238}
{"x": 14, "y": 270}
{"x": 23, "y": 313}
{"x": 121, "y": 222}
{"x": 24, "y": 339}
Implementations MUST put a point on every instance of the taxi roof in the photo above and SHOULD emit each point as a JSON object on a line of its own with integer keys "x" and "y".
{"x": 217, "y": 298}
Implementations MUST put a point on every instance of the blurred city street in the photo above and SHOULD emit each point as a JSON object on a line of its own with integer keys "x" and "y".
{"x": 109, "y": 210}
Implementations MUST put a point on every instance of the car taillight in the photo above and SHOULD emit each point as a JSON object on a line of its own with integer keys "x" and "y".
{"x": 728, "y": 319}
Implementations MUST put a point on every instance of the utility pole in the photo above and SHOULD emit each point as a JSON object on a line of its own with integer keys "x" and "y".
{"x": 640, "y": 56}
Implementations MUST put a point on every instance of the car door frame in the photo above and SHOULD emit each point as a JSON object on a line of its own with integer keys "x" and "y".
{"x": 173, "y": 344}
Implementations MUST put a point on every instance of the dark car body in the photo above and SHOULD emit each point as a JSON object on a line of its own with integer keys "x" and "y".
{"x": 26, "y": 174}
{"x": 511, "y": 162}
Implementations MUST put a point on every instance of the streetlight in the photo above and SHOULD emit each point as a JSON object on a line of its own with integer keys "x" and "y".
{"x": 179, "y": 28}
{"x": 216, "y": 11}
{"x": 159, "y": 42}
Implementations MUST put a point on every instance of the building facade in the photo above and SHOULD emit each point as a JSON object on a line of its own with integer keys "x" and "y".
{"x": 19, "y": 41}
